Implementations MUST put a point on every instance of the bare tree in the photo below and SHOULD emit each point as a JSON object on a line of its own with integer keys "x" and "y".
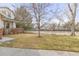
{"x": 23, "y": 17}
{"x": 59, "y": 15}
{"x": 70, "y": 13}
{"x": 72, "y": 9}
{"x": 38, "y": 12}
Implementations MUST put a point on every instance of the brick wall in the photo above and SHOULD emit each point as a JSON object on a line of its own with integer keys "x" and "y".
{"x": 1, "y": 33}
{"x": 17, "y": 31}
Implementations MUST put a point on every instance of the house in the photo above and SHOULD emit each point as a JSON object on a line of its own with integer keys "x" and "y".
{"x": 7, "y": 23}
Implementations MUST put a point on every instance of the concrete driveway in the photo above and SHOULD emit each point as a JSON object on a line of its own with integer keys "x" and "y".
{"x": 5, "y": 51}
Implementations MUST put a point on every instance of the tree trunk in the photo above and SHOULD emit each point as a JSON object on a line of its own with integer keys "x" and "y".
{"x": 73, "y": 32}
{"x": 73, "y": 12}
{"x": 39, "y": 30}
{"x": 39, "y": 35}
{"x": 73, "y": 28}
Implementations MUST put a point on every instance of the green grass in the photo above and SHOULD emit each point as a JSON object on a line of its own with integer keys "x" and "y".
{"x": 51, "y": 42}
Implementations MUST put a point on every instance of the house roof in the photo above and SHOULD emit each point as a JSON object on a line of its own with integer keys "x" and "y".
{"x": 7, "y": 13}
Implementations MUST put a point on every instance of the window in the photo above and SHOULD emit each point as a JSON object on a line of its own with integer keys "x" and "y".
{"x": 9, "y": 14}
{"x": 7, "y": 25}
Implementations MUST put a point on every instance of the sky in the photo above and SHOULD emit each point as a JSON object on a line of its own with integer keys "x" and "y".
{"x": 52, "y": 6}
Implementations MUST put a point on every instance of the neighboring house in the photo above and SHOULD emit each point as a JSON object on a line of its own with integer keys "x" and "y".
{"x": 7, "y": 22}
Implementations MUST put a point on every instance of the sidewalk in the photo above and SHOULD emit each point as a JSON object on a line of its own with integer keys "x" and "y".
{"x": 4, "y": 51}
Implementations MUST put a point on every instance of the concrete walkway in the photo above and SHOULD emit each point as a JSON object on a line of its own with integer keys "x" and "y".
{"x": 4, "y": 51}
{"x": 6, "y": 39}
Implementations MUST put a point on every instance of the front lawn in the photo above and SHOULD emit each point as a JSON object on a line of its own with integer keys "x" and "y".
{"x": 52, "y": 42}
